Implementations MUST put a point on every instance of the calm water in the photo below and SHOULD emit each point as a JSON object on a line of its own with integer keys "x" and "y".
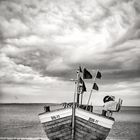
{"x": 22, "y": 121}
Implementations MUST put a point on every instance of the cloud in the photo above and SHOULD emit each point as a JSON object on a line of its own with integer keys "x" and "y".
{"x": 43, "y": 41}
{"x": 131, "y": 34}
{"x": 11, "y": 73}
{"x": 69, "y": 31}
{"x": 15, "y": 28}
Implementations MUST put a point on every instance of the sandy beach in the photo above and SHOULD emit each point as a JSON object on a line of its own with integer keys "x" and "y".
{"x": 21, "y": 122}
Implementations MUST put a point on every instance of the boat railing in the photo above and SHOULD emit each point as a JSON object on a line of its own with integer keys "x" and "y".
{"x": 116, "y": 107}
{"x": 68, "y": 105}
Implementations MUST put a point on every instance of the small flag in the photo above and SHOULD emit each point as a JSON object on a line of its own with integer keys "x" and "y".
{"x": 95, "y": 86}
{"x": 86, "y": 74}
{"x": 98, "y": 75}
{"x": 82, "y": 85}
{"x": 80, "y": 81}
{"x": 80, "y": 69}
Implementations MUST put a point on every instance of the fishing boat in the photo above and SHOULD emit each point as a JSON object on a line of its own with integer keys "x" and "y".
{"x": 75, "y": 120}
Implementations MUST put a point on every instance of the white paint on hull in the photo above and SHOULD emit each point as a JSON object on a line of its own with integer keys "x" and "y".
{"x": 94, "y": 118}
{"x": 50, "y": 116}
{"x": 100, "y": 120}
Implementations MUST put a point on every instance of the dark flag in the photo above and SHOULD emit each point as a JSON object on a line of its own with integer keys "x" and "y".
{"x": 98, "y": 75}
{"x": 82, "y": 85}
{"x": 80, "y": 81}
{"x": 95, "y": 86}
{"x": 80, "y": 69}
{"x": 86, "y": 74}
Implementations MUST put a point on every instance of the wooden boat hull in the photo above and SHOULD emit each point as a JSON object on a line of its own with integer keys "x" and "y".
{"x": 88, "y": 126}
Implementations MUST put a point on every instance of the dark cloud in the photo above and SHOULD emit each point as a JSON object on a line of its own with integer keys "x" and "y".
{"x": 131, "y": 34}
{"x": 91, "y": 19}
{"x": 137, "y": 6}
{"x": 122, "y": 75}
{"x": 1, "y": 36}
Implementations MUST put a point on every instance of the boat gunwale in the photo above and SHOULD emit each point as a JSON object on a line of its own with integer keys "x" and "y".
{"x": 100, "y": 115}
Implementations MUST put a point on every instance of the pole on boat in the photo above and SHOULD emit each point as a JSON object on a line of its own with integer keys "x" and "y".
{"x": 81, "y": 98}
{"x": 89, "y": 97}
{"x": 74, "y": 105}
{"x": 73, "y": 113}
{"x": 78, "y": 94}
{"x": 91, "y": 89}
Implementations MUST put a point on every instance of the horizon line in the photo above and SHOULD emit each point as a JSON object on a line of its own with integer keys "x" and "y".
{"x": 60, "y": 103}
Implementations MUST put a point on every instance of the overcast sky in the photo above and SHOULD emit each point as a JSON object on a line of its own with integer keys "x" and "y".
{"x": 42, "y": 42}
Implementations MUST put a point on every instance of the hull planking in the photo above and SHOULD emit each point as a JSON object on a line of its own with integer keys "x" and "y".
{"x": 88, "y": 126}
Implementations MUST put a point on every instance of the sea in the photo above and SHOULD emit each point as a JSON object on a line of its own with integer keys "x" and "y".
{"x": 21, "y": 122}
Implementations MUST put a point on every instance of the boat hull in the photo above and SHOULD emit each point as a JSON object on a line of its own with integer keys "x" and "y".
{"x": 88, "y": 126}
{"x": 86, "y": 130}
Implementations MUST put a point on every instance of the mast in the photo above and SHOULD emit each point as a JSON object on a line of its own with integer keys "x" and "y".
{"x": 81, "y": 98}
{"x": 78, "y": 89}
{"x": 76, "y": 92}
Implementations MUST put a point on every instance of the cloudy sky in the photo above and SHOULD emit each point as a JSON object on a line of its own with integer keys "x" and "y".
{"x": 42, "y": 42}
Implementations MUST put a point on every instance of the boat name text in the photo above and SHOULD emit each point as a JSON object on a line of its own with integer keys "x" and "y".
{"x": 93, "y": 121}
{"x": 55, "y": 117}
